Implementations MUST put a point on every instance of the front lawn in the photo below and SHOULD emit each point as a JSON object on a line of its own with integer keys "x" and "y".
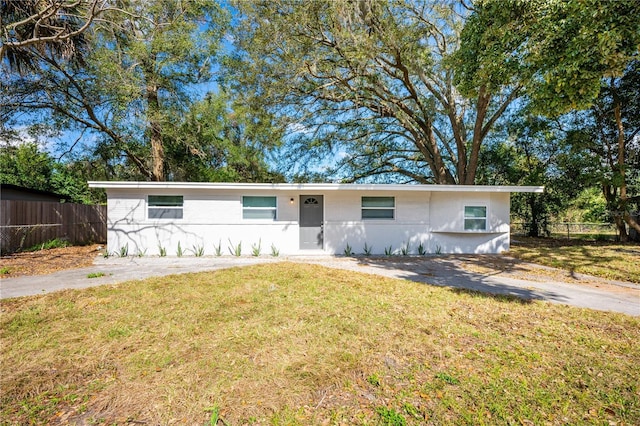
{"x": 600, "y": 259}
{"x": 301, "y": 344}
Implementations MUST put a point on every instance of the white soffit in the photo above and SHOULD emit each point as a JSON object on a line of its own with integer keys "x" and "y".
{"x": 308, "y": 187}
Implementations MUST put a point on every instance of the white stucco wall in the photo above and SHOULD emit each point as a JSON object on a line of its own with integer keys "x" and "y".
{"x": 212, "y": 217}
{"x": 344, "y": 225}
{"x": 447, "y": 222}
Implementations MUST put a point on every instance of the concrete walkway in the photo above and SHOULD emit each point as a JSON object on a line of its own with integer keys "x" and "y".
{"x": 445, "y": 271}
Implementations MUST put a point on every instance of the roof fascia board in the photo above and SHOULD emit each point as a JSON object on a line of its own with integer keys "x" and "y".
{"x": 311, "y": 187}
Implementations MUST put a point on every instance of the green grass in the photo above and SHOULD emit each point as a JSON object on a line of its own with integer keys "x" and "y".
{"x": 300, "y": 344}
{"x": 95, "y": 275}
{"x": 51, "y": 244}
{"x": 601, "y": 259}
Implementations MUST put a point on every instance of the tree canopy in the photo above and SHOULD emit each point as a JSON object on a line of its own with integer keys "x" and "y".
{"x": 567, "y": 55}
{"x": 371, "y": 80}
{"x": 54, "y": 26}
{"x": 558, "y": 51}
{"x": 141, "y": 71}
{"x": 28, "y": 166}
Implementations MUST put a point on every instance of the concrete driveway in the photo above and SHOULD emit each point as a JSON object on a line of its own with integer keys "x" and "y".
{"x": 448, "y": 271}
{"x": 116, "y": 270}
{"x": 445, "y": 271}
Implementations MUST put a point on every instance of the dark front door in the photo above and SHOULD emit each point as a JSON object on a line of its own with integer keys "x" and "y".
{"x": 311, "y": 222}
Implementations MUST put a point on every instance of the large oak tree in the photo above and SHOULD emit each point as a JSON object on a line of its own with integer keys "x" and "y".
{"x": 565, "y": 55}
{"x": 372, "y": 80}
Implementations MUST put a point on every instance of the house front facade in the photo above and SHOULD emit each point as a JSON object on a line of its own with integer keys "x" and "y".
{"x": 172, "y": 218}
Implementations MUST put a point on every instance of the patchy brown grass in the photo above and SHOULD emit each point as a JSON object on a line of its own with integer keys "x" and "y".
{"x": 601, "y": 259}
{"x": 300, "y": 344}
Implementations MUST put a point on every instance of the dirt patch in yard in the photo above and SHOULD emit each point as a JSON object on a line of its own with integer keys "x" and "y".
{"x": 47, "y": 261}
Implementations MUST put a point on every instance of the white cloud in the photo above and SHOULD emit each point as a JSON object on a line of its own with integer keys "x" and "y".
{"x": 298, "y": 128}
{"x": 17, "y": 136}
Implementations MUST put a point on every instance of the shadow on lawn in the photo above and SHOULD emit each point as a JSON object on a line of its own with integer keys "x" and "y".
{"x": 445, "y": 271}
{"x": 575, "y": 258}
{"x": 605, "y": 259}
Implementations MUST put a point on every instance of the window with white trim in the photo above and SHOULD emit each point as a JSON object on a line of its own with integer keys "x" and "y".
{"x": 475, "y": 218}
{"x": 165, "y": 206}
{"x": 378, "y": 207}
{"x": 254, "y": 207}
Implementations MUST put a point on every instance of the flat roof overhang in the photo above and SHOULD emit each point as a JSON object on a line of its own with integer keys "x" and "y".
{"x": 312, "y": 187}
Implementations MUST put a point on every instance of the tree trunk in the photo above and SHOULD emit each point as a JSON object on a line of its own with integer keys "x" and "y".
{"x": 439, "y": 170}
{"x": 610, "y": 196}
{"x": 621, "y": 152}
{"x": 534, "y": 227}
{"x": 157, "y": 152}
{"x": 155, "y": 136}
{"x": 631, "y": 222}
{"x": 621, "y": 216}
{"x": 482, "y": 105}
{"x": 622, "y": 228}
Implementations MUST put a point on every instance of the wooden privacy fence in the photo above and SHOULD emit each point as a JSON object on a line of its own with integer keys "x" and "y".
{"x": 27, "y": 223}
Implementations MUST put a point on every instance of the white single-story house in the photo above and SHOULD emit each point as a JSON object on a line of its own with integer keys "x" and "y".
{"x": 195, "y": 217}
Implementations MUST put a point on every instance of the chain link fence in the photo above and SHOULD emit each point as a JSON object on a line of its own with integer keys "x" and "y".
{"x": 568, "y": 230}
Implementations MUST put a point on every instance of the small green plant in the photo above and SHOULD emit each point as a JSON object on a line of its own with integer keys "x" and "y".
{"x": 390, "y": 417}
{"x": 141, "y": 253}
{"x": 215, "y": 415}
{"x": 256, "y": 248}
{"x": 50, "y": 244}
{"x": 274, "y": 251}
{"x": 95, "y": 275}
{"x": 447, "y": 378}
{"x": 198, "y": 251}
{"x": 348, "y": 251}
{"x": 421, "y": 250}
{"x": 162, "y": 251}
{"x": 411, "y": 410}
{"x": 367, "y": 249}
{"x": 5, "y": 270}
{"x": 388, "y": 251}
{"x": 179, "y": 250}
{"x": 235, "y": 250}
{"x": 438, "y": 249}
{"x": 218, "y": 248}
{"x": 124, "y": 250}
{"x": 404, "y": 250}
{"x": 374, "y": 380}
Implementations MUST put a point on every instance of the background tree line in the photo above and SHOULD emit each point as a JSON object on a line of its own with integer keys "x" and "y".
{"x": 445, "y": 92}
